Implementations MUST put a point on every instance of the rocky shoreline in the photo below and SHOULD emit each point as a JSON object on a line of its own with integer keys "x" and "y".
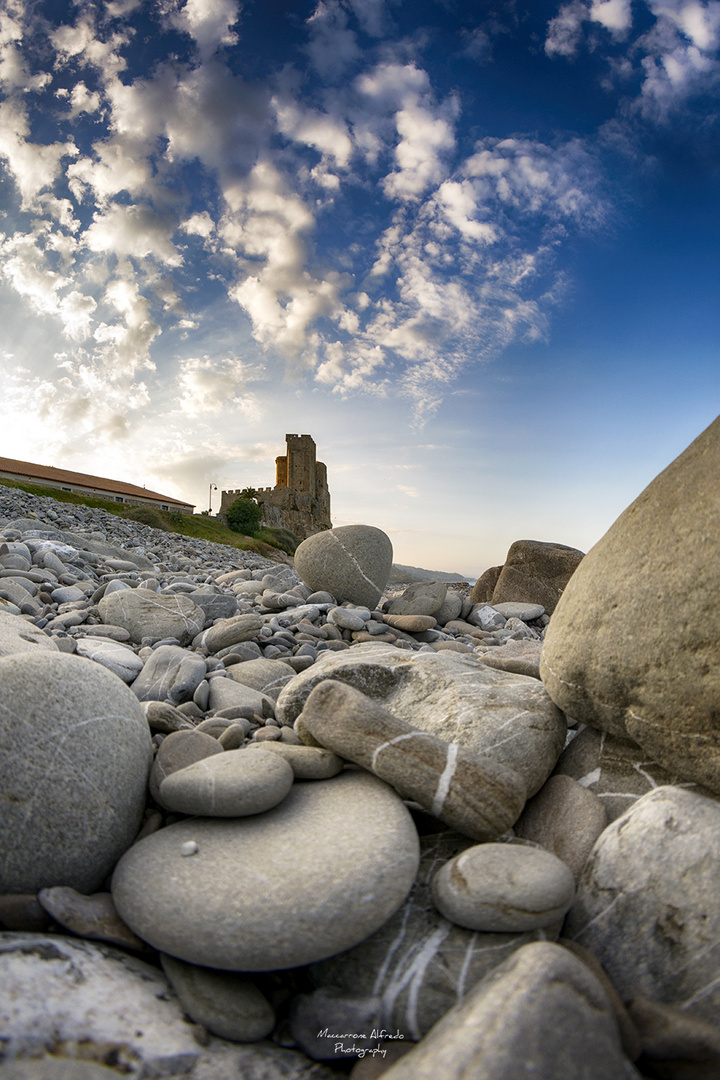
{"x": 275, "y": 822}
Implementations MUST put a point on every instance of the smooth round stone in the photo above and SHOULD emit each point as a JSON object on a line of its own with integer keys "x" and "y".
{"x": 647, "y": 903}
{"x": 226, "y": 693}
{"x": 145, "y": 614}
{"x": 170, "y": 674}
{"x": 503, "y": 888}
{"x": 346, "y": 619}
{"x": 473, "y": 794}
{"x": 320, "y": 598}
{"x": 516, "y": 610}
{"x": 564, "y": 818}
{"x": 178, "y": 751}
{"x": 17, "y": 635}
{"x": 306, "y": 762}
{"x": 111, "y": 654}
{"x": 268, "y": 676}
{"x": 228, "y": 1005}
{"x": 352, "y": 563}
{"x": 67, "y": 594}
{"x": 315, "y": 875}
{"x": 165, "y": 718}
{"x": 75, "y": 753}
{"x": 413, "y": 624}
{"x": 232, "y": 784}
{"x": 231, "y": 632}
{"x": 422, "y": 598}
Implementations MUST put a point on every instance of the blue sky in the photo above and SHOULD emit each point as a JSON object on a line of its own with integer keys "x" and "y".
{"x": 471, "y": 247}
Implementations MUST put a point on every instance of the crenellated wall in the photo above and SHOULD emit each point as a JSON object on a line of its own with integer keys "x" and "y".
{"x": 300, "y": 500}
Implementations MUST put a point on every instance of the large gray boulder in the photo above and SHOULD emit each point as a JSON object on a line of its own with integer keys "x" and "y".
{"x": 75, "y": 755}
{"x": 648, "y": 904}
{"x": 352, "y": 563}
{"x": 535, "y": 572}
{"x": 506, "y": 717}
{"x": 633, "y": 645}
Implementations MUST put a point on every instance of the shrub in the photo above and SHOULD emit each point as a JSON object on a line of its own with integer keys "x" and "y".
{"x": 147, "y": 515}
{"x": 244, "y": 516}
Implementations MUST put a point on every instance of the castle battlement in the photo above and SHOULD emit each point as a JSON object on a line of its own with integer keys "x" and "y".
{"x": 300, "y": 500}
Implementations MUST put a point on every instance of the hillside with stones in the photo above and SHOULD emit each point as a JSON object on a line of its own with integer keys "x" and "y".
{"x": 280, "y": 822}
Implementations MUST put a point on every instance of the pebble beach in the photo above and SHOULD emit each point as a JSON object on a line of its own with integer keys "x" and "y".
{"x": 272, "y": 821}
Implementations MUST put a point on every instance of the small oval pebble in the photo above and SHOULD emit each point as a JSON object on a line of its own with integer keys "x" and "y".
{"x": 232, "y": 784}
{"x": 307, "y": 762}
{"x": 227, "y": 1004}
{"x": 503, "y": 887}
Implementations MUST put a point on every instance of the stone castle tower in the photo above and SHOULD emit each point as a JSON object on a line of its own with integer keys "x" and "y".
{"x": 300, "y": 500}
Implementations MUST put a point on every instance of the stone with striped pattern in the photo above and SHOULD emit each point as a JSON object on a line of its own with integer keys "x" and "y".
{"x": 474, "y": 794}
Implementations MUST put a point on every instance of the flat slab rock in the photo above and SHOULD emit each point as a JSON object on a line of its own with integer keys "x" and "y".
{"x": 76, "y": 999}
{"x": 617, "y": 771}
{"x": 303, "y": 881}
{"x": 507, "y": 717}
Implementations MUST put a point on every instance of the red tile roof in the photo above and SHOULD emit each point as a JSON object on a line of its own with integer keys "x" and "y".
{"x": 64, "y": 476}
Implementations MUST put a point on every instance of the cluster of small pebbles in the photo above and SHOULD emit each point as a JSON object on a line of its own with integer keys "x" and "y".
{"x": 278, "y": 821}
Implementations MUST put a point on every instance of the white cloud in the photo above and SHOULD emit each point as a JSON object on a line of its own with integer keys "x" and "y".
{"x": 34, "y": 166}
{"x": 697, "y": 20}
{"x": 199, "y": 224}
{"x": 123, "y": 348}
{"x": 83, "y": 101}
{"x": 391, "y": 85}
{"x": 82, "y": 43}
{"x": 325, "y": 133}
{"x": 564, "y": 31}
{"x": 424, "y": 139}
{"x": 133, "y": 230}
{"x": 424, "y": 128}
{"x": 372, "y": 16}
{"x": 76, "y": 311}
{"x": 24, "y": 266}
{"x": 208, "y": 23}
{"x": 458, "y": 202}
{"x": 680, "y": 55}
{"x": 676, "y": 58}
{"x": 119, "y": 164}
{"x": 533, "y": 178}
{"x": 210, "y": 386}
{"x": 332, "y": 47}
{"x": 614, "y": 15}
